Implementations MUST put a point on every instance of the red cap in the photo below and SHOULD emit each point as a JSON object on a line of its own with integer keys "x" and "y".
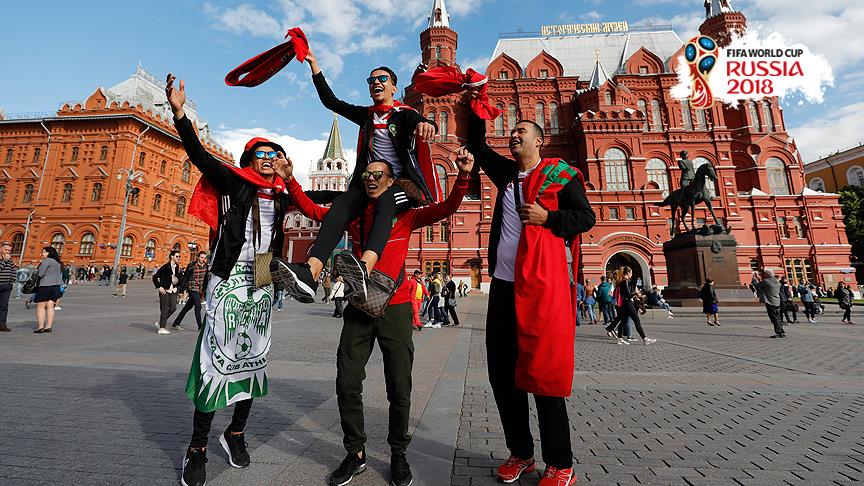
{"x": 256, "y": 141}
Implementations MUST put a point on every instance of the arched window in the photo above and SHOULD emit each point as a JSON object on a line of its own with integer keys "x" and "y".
{"x": 499, "y": 122}
{"x": 103, "y": 152}
{"x": 298, "y": 221}
{"x": 754, "y": 116}
{"x": 441, "y": 172}
{"x": 150, "y": 248}
{"x": 712, "y": 186}
{"x": 701, "y": 120}
{"x": 442, "y": 127}
{"x": 607, "y": 97}
{"x": 640, "y": 105}
{"x": 437, "y": 52}
{"x": 686, "y": 119}
{"x": 157, "y": 202}
{"x": 855, "y": 176}
{"x": 767, "y": 117}
{"x": 657, "y": 172}
{"x": 67, "y": 193}
{"x": 88, "y": 242}
{"x": 2, "y": 193}
{"x": 58, "y": 241}
{"x": 511, "y": 116}
{"x": 193, "y": 251}
{"x": 181, "y": 206}
{"x": 431, "y": 116}
{"x": 163, "y": 167}
{"x": 553, "y": 118}
{"x": 96, "y": 195}
{"x": 817, "y": 184}
{"x": 778, "y": 183}
{"x": 141, "y": 159}
{"x": 540, "y": 115}
{"x": 656, "y": 118}
{"x": 9, "y": 153}
{"x": 28, "y": 193}
{"x": 617, "y": 175}
{"x": 187, "y": 168}
{"x": 134, "y": 194}
{"x": 126, "y": 249}
{"x": 17, "y": 243}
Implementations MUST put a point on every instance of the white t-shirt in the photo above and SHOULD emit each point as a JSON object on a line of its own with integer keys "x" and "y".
{"x": 382, "y": 147}
{"x": 511, "y": 230}
{"x": 267, "y": 212}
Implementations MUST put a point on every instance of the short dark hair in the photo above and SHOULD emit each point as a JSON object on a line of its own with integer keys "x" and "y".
{"x": 202, "y": 252}
{"x": 389, "y": 71}
{"x": 171, "y": 255}
{"x": 417, "y": 272}
{"x": 389, "y": 167}
{"x": 537, "y": 128}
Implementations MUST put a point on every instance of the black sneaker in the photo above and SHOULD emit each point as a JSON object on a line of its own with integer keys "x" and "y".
{"x": 235, "y": 447}
{"x": 400, "y": 471}
{"x": 354, "y": 272}
{"x": 194, "y": 469}
{"x": 350, "y": 467}
{"x": 295, "y": 278}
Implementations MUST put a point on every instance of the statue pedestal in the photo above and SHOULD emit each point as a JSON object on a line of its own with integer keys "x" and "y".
{"x": 692, "y": 258}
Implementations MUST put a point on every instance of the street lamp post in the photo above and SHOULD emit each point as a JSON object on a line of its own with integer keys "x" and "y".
{"x": 130, "y": 189}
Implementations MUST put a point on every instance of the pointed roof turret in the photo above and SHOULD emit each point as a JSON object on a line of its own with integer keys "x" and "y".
{"x": 334, "y": 142}
{"x": 439, "y": 17}
{"x": 717, "y": 7}
{"x": 598, "y": 76}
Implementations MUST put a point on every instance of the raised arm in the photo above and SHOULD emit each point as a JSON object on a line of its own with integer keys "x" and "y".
{"x": 435, "y": 212}
{"x": 211, "y": 168}
{"x": 500, "y": 169}
{"x": 355, "y": 113}
{"x": 303, "y": 203}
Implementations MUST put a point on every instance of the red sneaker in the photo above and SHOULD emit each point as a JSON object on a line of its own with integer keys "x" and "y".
{"x": 513, "y": 467}
{"x": 553, "y": 476}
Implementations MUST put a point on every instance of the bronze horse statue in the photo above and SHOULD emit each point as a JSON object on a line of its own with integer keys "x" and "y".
{"x": 684, "y": 200}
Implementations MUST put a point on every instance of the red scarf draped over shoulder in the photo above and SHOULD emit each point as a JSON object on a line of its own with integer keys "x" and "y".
{"x": 424, "y": 151}
{"x": 445, "y": 80}
{"x": 204, "y": 204}
{"x": 545, "y": 301}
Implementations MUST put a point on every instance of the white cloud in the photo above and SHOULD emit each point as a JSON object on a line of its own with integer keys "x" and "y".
{"x": 838, "y": 130}
{"x": 592, "y": 15}
{"x": 244, "y": 19}
{"x": 479, "y": 64}
{"x": 303, "y": 153}
{"x": 685, "y": 25}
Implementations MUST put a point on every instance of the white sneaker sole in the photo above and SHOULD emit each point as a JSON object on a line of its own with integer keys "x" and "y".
{"x": 293, "y": 285}
{"x": 352, "y": 271}
{"x": 228, "y": 451}
{"x": 359, "y": 471}
{"x": 183, "y": 481}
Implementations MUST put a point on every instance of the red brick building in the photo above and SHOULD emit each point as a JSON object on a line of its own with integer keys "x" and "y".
{"x": 62, "y": 178}
{"x": 604, "y": 101}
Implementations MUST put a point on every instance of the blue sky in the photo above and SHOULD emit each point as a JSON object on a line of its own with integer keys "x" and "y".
{"x": 57, "y": 51}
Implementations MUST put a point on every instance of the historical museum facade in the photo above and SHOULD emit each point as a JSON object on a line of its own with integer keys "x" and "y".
{"x": 63, "y": 178}
{"x": 836, "y": 171}
{"x": 604, "y": 101}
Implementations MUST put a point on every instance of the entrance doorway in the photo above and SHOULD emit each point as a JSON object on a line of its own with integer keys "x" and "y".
{"x": 622, "y": 259}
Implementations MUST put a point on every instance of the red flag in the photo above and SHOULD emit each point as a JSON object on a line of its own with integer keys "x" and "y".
{"x": 445, "y": 80}
{"x": 263, "y": 66}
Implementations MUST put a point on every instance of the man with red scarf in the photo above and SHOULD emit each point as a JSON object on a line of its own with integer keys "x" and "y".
{"x": 389, "y": 131}
{"x": 541, "y": 209}
{"x": 244, "y": 208}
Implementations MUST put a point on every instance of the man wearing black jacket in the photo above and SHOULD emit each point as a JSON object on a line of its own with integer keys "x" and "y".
{"x": 194, "y": 282}
{"x": 166, "y": 280}
{"x": 510, "y": 219}
{"x": 389, "y": 132}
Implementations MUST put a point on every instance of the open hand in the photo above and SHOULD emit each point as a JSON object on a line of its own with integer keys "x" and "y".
{"x": 533, "y": 214}
{"x": 425, "y": 131}
{"x": 283, "y": 166}
{"x": 176, "y": 96}
{"x": 313, "y": 62}
{"x": 464, "y": 160}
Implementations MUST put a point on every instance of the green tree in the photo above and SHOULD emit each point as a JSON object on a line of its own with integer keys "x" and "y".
{"x": 852, "y": 200}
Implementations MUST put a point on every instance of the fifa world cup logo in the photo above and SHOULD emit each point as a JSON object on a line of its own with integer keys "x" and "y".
{"x": 701, "y": 56}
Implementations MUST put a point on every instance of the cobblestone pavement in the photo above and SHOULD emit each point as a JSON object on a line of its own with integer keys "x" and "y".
{"x": 100, "y": 401}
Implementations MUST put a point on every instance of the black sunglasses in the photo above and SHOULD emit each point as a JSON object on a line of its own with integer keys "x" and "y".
{"x": 376, "y": 174}
{"x": 382, "y": 78}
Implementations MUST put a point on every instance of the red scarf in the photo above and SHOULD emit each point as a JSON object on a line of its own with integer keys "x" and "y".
{"x": 263, "y": 66}
{"x": 445, "y": 80}
{"x": 205, "y": 200}
{"x": 545, "y": 301}
{"x": 382, "y": 109}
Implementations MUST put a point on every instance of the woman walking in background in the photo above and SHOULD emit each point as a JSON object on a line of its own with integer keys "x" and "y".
{"x": 844, "y": 300}
{"x": 50, "y": 279}
{"x": 710, "y": 304}
{"x": 121, "y": 283}
{"x": 626, "y": 308}
{"x": 338, "y": 295}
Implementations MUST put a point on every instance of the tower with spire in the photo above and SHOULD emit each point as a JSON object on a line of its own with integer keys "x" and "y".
{"x": 330, "y": 172}
{"x": 438, "y": 42}
{"x": 722, "y": 22}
